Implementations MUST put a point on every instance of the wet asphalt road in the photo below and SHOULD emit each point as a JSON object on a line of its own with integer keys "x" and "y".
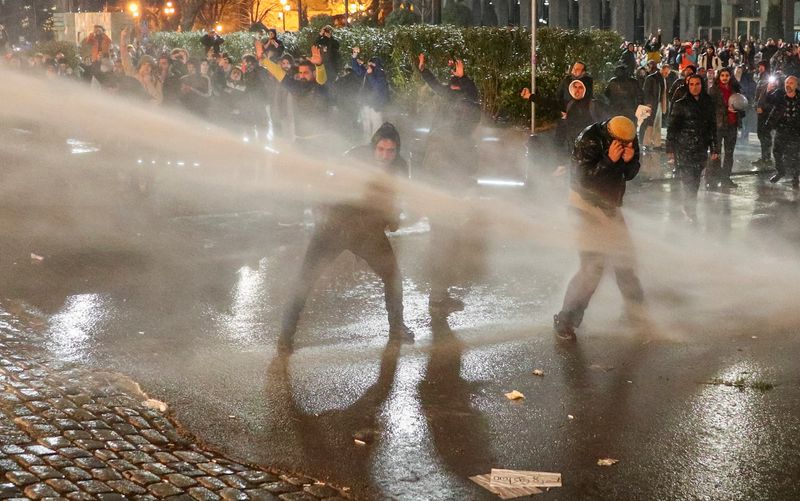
{"x": 192, "y": 313}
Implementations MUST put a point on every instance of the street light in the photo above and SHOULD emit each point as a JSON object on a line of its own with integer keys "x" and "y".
{"x": 218, "y": 28}
{"x": 169, "y": 9}
{"x": 134, "y": 8}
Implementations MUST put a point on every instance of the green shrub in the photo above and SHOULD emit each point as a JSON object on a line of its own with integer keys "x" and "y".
{"x": 316, "y": 23}
{"x": 52, "y": 47}
{"x": 498, "y": 59}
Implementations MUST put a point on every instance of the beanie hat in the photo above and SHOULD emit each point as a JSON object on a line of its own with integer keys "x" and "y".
{"x": 386, "y": 131}
{"x": 621, "y": 128}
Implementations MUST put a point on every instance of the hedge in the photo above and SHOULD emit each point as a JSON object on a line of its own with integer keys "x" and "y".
{"x": 498, "y": 59}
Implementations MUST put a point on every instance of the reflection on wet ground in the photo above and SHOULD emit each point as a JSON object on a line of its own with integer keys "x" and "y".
{"x": 193, "y": 314}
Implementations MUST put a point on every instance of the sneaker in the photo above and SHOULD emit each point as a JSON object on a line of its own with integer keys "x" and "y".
{"x": 564, "y": 330}
{"x": 447, "y": 304}
{"x": 401, "y": 333}
{"x": 777, "y": 177}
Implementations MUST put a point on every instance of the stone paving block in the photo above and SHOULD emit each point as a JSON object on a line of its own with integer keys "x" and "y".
{"x": 81, "y": 496}
{"x": 111, "y": 496}
{"x": 145, "y": 497}
{"x": 258, "y": 477}
{"x": 136, "y": 457}
{"x": 181, "y": 481}
{"x": 229, "y": 494}
{"x": 28, "y": 394}
{"x": 105, "y": 434}
{"x": 111, "y": 419}
{"x": 80, "y": 414}
{"x": 22, "y": 478}
{"x": 321, "y": 490}
{"x": 137, "y": 440}
{"x": 53, "y": 414}
{"x": 191, "y": 457}
{"x": 89, "y": 463}
{"x": 39, "y": 491}
{"x": 57, "y": 461}
{"x": 124, "y": 428}
{"x": 8, "y": 490}
{"x": 37, "y": 406}
{"x": 105, "y": 454}
{"x": 62, "y": 403}
{"x": 138, "y": 422}
{"x": 46, "y": 472}
{"x": 62, "y": 486}
{"x": 280, "y": 487}
{"x": 298, "y": 496}
{"x": 121, "y": 465}
{"x": 9, "y": 465}
{"x": 125, "y": 411}
{"x": 39, "y": 450}
{"x": 22, "y": 410}
{"x": 93, "y": 486}
{"x": 77, "y": 435}
{"x": 95, "y": 424}
{"x": 67, "y": 424}
{"x": 235, "y": 481}
{"x": 175, "y": 438}
{"x": 55, "y": 442}
{"x": 80, "y": 399}
{"x": 75, "y": 474}
{"x": 11, "y": 449}
{"x": 89, "y": 445}
{"x": 212, "y": 483}
{"x": 27, "y": 460}
{"x": 165, "y": 457}
{"x": 202, "y": 494}
{"x": 105, "y": 474}
{"x": 126, "y": 487}
{"x": 261, "y": 495}
{"x": 141, "y": 477}
{"x": 163, "y": 489}
{"x": 213, "y": 469}
{"x": 120, "y": 445}
{"x": 157, "y": 469}
{"x": 74, "y": 452}
{"x": 153, "y": 436}
{"x": 96, "y": 409}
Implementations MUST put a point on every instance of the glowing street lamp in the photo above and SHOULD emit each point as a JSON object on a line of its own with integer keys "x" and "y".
{"x": 169, "y": 9}
{"x": 134, "y": 9}
{"x": 218, "y": 28}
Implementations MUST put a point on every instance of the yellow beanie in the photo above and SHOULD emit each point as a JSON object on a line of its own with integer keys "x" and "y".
{"x": 621, "y": 128}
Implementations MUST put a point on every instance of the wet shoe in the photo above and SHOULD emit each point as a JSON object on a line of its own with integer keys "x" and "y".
{"x": 564, "y": 330}
{"x": 401, "y": 333}
{"x": 777, "y": 177}
{"x": 448, "y": 304}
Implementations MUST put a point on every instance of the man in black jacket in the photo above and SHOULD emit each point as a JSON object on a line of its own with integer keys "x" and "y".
{"x": 690, "y": 135}
{"x": 784, "y": 118}
{"x": 605, "y": 158}
{"x": 577, "y": 72}
{"x": 623, "y": 93}
{"x": 360, "y": 228}
{"x": 765, "y": 85}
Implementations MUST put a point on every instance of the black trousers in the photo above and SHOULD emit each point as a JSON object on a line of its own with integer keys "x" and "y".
{"x": 326, "y": 244}
{"x": 690, "y": 170}
{"x": 764, "y": 137}
{"x": 787, "y": 153}
{"x": 726, "y": 141}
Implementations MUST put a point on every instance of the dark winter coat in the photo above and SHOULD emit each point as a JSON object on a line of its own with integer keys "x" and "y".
{"x": 654, "y": 86}
{"x": 720, "y": 107}
{"x": 375, "y": 86}
{"x": 593, "y": 175}
{"x": 628, "y": 59}
{"x": 783, "y": 118}
{"x": 692, "y": 128}
{"x": 461, "y": 109}
{"x": 623, "y": 93}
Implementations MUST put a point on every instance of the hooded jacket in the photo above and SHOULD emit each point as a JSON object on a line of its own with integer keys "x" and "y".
{"x": 375, "y": 84}
{"x": 593, "y": 175}
{"x": 623, "y": 93}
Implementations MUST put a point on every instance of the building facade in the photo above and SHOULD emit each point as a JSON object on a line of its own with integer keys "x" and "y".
{"x": 687, "y": 19}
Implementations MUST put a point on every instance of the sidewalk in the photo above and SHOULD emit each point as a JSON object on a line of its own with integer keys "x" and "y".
{"x": 70, "y": 433}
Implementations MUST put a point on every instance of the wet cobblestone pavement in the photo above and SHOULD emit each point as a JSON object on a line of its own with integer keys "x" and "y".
{"x": 67, "y": 432}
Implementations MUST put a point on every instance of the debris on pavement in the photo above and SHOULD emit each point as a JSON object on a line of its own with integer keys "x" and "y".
{"x": 514, "y": 395}
{"x": 607, "y": 462}
{"x": 538, "y": 372}
{"x": 152, "y": 403}
{"x": 570, "y": 416}
{"x": 36, "y": 258}
{"x": 359, "y": 442}
{"x": 598, "y": 367}
{"x": 510, "y": 484}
